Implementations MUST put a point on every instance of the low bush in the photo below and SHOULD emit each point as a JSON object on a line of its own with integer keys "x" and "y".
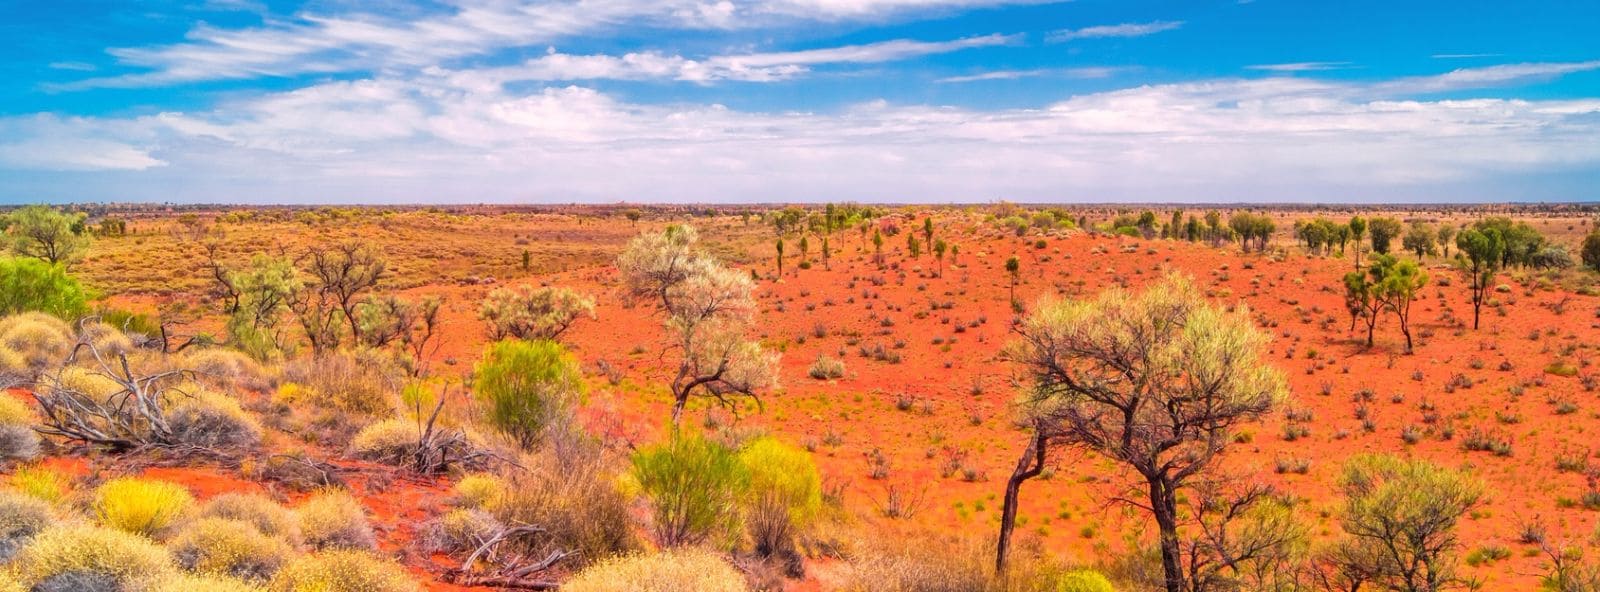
{"x": 21, "y": 518}
{"x": 671, "y": 571}
{"x": 570, "y": 491}
{"x": 479, "y": 490}
{"x": 41, "y": 482}
{"x": 694, "y": 486}
{"x": 141, "y": 506}
{"x": 826, "y": 368}
{"x": 332, "y": 519}
{"x": 31, "y": 343}
{"x": 258, "y": 511}
{"x": 18, "y": 441}
{"x": 527, "y": 385}
{"x": 199, "y": 583}
{"x": 1084, "y": 580}
{"x": 460, "y": 531}
{"x": 226, "y": 369}
{"x": 784, "y": 495}
{"x": 342, "y": 571}
{"x": 229, "y": 548}
{"x": 386, "y": 441}
{"x": 208, "y": 419}
{"x": 362, "y": 381}
{"x": 90, "y": 559}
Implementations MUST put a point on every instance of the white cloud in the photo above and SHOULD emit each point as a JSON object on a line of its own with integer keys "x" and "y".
{"x": 1087, "y": 72}
{"x": 1488, "y": 76}
{"x": 1293, "y": 67}
{"x": 430, "y": 138}
{"x": 1122, "y": 30}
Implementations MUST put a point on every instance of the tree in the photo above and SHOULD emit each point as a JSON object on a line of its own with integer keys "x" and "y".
{"x": 1396, "y": 285}
{"x": 914, "y": 246}
{"x": 1155, "y": 381}
{"x": 527, "y": 386}
{"x": 780, "y": 257}
{"x": 1383, "y": 230}
{"x": 707, "y": 309}
{"x": 264, "y": 291}
{"x": 1400, "y": 517}
{"x": 1359, "y": 299}
{"x": 1591, "y": 250}
{"x": 28, "y": 284}
{"x": 1420, "y": 239}
{"x": 877, "y": 247}
{"x": 47, "y": 233}
{"x": 1358, "y": 229}
{"x": 939, "y": 248}
{"x": 342, "y": 273}
{"x": 927, "y": 230}
{"x": 826, "y": 253}
{"x": 526, "y": 312}
{"x": 1013, "y": 269}
{"x": 1484, "y": 250}
{"x": 1447, "y": 234}
{"x": 805, "y": 249}
{"x": 1521, "y": 240}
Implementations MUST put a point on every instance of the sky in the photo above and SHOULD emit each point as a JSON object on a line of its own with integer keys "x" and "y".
{"x": 558, "y": 101}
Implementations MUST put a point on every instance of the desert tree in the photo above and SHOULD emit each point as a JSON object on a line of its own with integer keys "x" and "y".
{"x": 913, "y": 246}
{"x": 1396, "y": 285}
{"x": 46, "y": 233}
{"x": 1447, "y": 235}
{"x": 1245, "y": 537}
{"x": 1156, "y": 381}
{"x": 1400, "y": 519}
{"x": 261, "y": 294}
{"x": 805, "y": 250}
{"x": 877, "y": 247}
{"x": 939, "y": 248}
{"x": 1421, "y": 239}
{"x": 1521, "y": 240}
{"x": 1358, "y": 230}
{"x": 827, "y": 252}
{"x": 1360, "y": 301}
{"x": 341, "y": 273}
{"x": 927, "y": 230}
{"x": 1383, "y": 231}
{"x": 707, "y": 309}
{"x": 1013, "y": 271}
{"x": 1483, "y": 251}
{"x": 779, "y": 247}
{"x": 1590, "y": 252}
{"x": 530, "y": 313}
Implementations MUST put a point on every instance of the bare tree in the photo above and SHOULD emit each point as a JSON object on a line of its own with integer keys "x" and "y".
{"x": 342, "y": 272}
{"x": 707, "y": 309}
{"x": 1156, "y": 381}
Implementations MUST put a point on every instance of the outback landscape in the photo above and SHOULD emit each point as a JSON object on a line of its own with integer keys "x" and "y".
{"x": 845, "y": 397}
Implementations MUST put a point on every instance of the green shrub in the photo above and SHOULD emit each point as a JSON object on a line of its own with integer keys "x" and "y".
{"x": 1084, "y": 580}
{"x": 21, "y": 518}
{"x": 32, "y": 285}
{"x": 694, "y": 486}
{"x": 479, "y": 490}
{"x": 785, "y": 493}
{"x": 332, "y": 519}
{"x": 342, "y": 571}
{"x": 84, "y": 558}
{"x": 526, "y": 385}
{"x": 41, "y": 482}
{"x": 679, "y": 570}
{"x": 222, "y": 547}
{"x": 141, "y": 506}
{"x": 258, "y": 511}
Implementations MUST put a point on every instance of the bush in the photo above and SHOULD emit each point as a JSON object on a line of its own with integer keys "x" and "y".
{"x": 826, "y": 368}
{"x": 1084, "y": 580}
{"x": 570, "y": 491}
{"x": 195, "y": 583}
{"x": 332, "y": 519}
{"x": 669, "y": 571}
{"x": 526, "y": 385}
{"x": 90, "y": 559}
{"x": 386, "y": 441}
{"x": 31, "y": 343}
{"x": 785, "y": 493}
{"x": 525, "y": 312}
{"x": 342, "y": 571}
{"x": 18, "y": 441}
{"x": 259, "y": 511}
{"x": 226, "y": 369}
{"x": 105, "y": 339}
{"x": 141, "y": 506}
{"x": 21, "y": 518}
{"x": 694, "y": 486}
{"x": 479, "y": 490}
{"x": 213, "y": 420}
{"x": 41, "y": 483}
{"x": 362, "y": 381}
{"x": 460, "y": 531}
{"x": 28, "y": 284}
{"x": 917, "y": 563}
{"x": 222, "y": 547}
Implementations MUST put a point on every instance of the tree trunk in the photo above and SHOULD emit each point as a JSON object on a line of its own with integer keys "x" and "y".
{"x": 1028, "y": 466}
{"x": 1165, "y": 507}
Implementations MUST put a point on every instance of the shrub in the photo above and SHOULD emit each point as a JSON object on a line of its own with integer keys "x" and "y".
{"x": 18, "y": 441}
{"x": 1084, "y": 580}
{"x": 917, "y": 563}
{"x": 479, "y": 490}
{"x": 141, "y": 506}
{"x": 41, "y": 483}
{"x": 525, "y": 312}
{"x": 226, "y": 369}
{"x": 197, "y": 583}
{"x": 90, "y": 559}
{"x": 362, "y": 381}
{"x": 460, "y": 531}
{"x": 342, "y": 571}
{"x": 570, "y": 491}
{"x": 694, "y": 486}
{"x": 105, "y": 339}
{"x": 209, "y": 419}
{"x": 21, "y": 518}
{"x": 670, "y": 571}
{"x": 526, "y": 385}
{"x": 332, "y": 519}
{"x": 785, "y": 493}
{"x": 826, "y": 368}
{"x": 222, "y": 547}
{"x": 258, "y": 511}
{"x": 31, "y": 343}
{"x": 386, "y": 441}
{"x": 33, "y": 285}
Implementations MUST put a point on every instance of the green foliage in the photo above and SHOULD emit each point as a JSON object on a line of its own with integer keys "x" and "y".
{"x": 783, "y": 474}
{"x": 36, "y": 285}
{"x": 222, "y": 547}
{"x": 694, "y": 486}
{"x": 141, "y": 506}
{"x": 1591, "y": 251}
{"x": 1383, "y": 230}
{"x": 526, "y": 312}
{"x": 526, "y": 385}
{"x": 48, "y": 234}
{"x": 1521, "y": 240}
{"x": 1084, "y": 580}
{"x": 1401, "y": 517}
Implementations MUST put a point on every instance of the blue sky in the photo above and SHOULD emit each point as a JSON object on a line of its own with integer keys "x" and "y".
{"x": 798, "y": 100}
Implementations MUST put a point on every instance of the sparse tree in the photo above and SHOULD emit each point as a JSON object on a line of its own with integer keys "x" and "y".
{"x": 1358, "y": 230}
{"x": 913, "y": 246}
{"x": 1447, "y": 234}
{"x": 530, "y": 313}
{"x": 1360, "y": 300}
{"x": 707, "y": 309}
{"x": 939, "y": 249}
{"x": 827, "y": 253}
{"x": 927, "y": 230}
{"x": 1396, "y": 285}
{"x": 1420, "y": 239}
{"x": 877, "y": 246}
{"x": 1484, "y": 250}
{"x": 46, "y": 233}
{"x": 780, "y": 257}
{"x": 1014, "y": 270}
{"x": 1400, "y": 517}
{"x": 1156, "y": 381}
{"x": 1591, "y": 250}
{"x": 342, "y": 273}
{"x": 1383, "y": 231}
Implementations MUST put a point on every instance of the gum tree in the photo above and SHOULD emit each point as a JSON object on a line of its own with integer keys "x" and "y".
{"x": 1483, "y": 250}
{"x": 1396, "y": 285}
{"x": 707, "y": 309}
{"x": 1156, "y": 381}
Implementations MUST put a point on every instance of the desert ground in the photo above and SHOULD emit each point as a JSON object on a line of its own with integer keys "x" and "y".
{"x": 916, "y": 436}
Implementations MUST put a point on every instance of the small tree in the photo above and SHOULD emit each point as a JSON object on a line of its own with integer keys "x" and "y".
{"x": 1013, "y": 270}
{"x": 1358, "y": 230}
{"x": 1384, "y": 231}
{"x": 877, "y": 247}
{"x": 1360, "y": 301}
{"x": 1447, "y": 234}
{"x": 805, "y": 250}
{"x": 780, "y": 257}
{"x": 47, "y": 233}
{"x": 939, "y": 248}
{"x": 1401, "y": 518}
{"x": 1156, "y": 381}
{"x": 1591, "y": 250}
{"x": 694, "y": 486}
{"x": 1420, "y": 239}
{"x": 827, "y": 252}
{"x": 1484, "y": 250}
{"x": 526, "y": 386}
{"x": 526, "y": 312}
{"x": 913, "y": 246}
{"x": 1396, "y": 284}
{"x": 707, "y": 309}
{"x": 927, "y": 230}
{"x": 342, "y": 273}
